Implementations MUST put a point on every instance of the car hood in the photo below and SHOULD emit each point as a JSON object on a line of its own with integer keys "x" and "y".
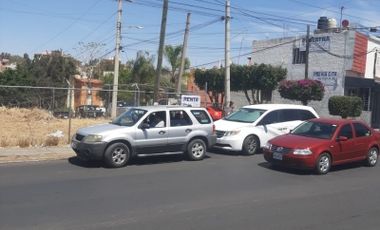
{"x": 298, "y": 142}
{"x": 100, "y": 129}
{"x": 224, "y": 125}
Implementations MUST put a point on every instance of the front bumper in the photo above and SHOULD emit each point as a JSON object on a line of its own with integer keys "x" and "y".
{"x": 86, "y": 151}
{"x": 290, "y": 160}
{"x": 230, "y": 143}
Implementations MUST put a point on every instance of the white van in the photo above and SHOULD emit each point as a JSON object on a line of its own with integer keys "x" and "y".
{"x": 249, "y": 128}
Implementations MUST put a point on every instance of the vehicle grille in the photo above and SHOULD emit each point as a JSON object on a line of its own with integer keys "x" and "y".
{"x": 219, "y": 133}
{"x": 280, "y": 149}
{"x": 79, "y": 137}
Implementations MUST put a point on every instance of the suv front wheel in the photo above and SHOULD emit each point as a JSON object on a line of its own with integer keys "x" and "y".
{"x": 117, "y": 155}
{"x": 196, "y": 150}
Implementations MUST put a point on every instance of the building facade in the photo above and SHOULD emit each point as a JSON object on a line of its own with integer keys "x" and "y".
{"x": 345, "y": 61}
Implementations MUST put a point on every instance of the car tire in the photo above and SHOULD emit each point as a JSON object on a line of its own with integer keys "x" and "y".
{"x": 196, "y": 150}
{"x": 323, "y": 164}
{"x": 117, "y": 155}
{"x": 251, "y": 145}
{"x": 372, "y": 156}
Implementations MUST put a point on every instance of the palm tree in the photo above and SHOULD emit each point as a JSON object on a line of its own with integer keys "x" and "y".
{"x": 173, "y": 55}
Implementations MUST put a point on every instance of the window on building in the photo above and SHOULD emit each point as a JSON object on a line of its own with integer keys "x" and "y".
{"x": 363, "y": 93}
{"x": 299, "y": 57}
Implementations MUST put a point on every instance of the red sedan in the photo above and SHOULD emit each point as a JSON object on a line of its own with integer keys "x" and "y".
{"x": 321, "y": 143}
{"x": 215, "y": 112}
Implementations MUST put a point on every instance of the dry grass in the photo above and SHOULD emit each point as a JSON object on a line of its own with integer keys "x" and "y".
{"x": 31, "y": 127}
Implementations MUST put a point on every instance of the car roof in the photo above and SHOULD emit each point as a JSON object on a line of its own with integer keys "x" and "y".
{"x": 276, "y": 106}
{"x": 158, "y": 107}
{"x": 334, "y": 121}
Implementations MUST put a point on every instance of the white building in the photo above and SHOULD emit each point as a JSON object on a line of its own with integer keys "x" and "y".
{"x": 345, "y": 61}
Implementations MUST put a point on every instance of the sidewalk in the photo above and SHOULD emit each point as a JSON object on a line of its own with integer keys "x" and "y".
{"x": 16, "y": 154}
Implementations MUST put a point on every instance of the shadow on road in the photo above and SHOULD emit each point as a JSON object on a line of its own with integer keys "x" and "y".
{"x": 232, "y": 153}
{"x": 333, "y": 169}
{"x": 138, "y": 161}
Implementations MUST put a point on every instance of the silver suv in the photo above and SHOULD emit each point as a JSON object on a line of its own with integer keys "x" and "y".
{"x": 147, "y": 130}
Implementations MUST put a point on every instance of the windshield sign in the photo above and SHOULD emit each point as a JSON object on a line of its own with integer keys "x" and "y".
{"x": 130, "y": 117}
{"x": 245, "y": 115}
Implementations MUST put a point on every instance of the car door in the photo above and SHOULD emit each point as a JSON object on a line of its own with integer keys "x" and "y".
{"x": 180, "y": 126}
{"x": 344, "y": 150}
{"x": 269, "y": 126}
{"x": 362, "y": 139}
{"x": 150, "y": 139}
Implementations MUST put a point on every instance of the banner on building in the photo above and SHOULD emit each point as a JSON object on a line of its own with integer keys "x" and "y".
{"x": 316, "y": 44}
{"x": 328, "y": 78}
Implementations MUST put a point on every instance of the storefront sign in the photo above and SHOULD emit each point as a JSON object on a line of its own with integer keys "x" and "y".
{"x": 328, "y": 78}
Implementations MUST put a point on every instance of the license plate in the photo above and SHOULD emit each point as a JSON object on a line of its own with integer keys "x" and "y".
{"x": 277, "y": 156}
{"x": 74, "y": 145}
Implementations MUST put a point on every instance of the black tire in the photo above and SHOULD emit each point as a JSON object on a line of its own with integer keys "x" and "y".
{"x": 117, "y": 155}
{"x": 372, "y": 156}
{"x": 251, "y": 145}
{"x": 196, "y": 150}
{"x": 323, "y": 164}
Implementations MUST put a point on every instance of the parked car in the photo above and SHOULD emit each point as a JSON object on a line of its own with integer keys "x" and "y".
{"x": 249, "y": 128}
{"x": 215, "y": 112}
{"x": 147, "y": 130}
{"x": 89, "y": 111}
{"x": 320, "y": 143}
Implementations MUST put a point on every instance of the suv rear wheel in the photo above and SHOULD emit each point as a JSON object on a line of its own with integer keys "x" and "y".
{"x": 117, "y": 155}
{"x": 196, "y": 150}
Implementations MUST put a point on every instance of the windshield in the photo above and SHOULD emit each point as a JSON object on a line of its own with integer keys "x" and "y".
{"x": 315, "y": 129}
{"x": 245, "y": 115}
{"x": 130, "y": 117}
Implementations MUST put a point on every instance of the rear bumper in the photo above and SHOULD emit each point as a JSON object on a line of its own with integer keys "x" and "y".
{"x": 211, "y": 141}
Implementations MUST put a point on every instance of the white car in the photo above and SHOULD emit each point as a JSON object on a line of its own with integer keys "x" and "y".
{"x": 249, "y": 128}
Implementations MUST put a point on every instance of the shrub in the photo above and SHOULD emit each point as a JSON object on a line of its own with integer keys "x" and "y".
{"x": 302, "y": 90}
{"x": 51, "y": 141}
{"x": 23, "y": 142}
{"x": 345, "y": 106}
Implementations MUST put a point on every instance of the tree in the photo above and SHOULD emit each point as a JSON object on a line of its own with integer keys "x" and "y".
{"x": 345, "y": 106}
{"x": 213, "y": 79}
{"x": 302, "y": 90}
{"x": 173, "y": 55}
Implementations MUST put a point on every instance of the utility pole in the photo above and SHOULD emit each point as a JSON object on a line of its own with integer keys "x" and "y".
{"x": 183, "y": 55}
{"x": 307, "y": 52}
{"x": 116, "y": 68}
{"x": 227, "y": 96}
{"x": 160, "y": 50}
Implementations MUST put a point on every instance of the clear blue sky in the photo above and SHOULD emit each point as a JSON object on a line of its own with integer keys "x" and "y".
{"x": 34, "y": 26}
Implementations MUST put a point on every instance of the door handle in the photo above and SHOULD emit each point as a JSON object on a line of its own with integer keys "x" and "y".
{"x": 161, "y": 132}
{"x": 188, "y": 130}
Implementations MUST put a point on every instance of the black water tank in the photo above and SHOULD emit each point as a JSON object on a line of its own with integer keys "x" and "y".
{"x": 323, "y": 23}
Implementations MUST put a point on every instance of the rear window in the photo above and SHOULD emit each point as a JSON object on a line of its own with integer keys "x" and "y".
{"x": 201, "y": 116}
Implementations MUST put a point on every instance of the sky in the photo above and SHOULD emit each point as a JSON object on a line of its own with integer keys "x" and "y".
{"x": 85, "y": 29}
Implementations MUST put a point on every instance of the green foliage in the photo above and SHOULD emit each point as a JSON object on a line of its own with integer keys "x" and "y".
{"x": 302, "y": 90}
{"x": 244, "y": 78}
{"x": 173, "y": 56}
{"x": 43, "y": 71}
{"x": 345, "y": 106}
{"x": 143, "y": 69}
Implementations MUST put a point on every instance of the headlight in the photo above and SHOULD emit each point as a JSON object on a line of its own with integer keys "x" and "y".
{"x": 268, "y": 145}
{"x": 231, "y": 133}
{"x": 93, "y": 138}
{"x": 302, "y": 152}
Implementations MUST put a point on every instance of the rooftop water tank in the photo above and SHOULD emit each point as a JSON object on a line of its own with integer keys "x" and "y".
{"x": 323, "y": 23}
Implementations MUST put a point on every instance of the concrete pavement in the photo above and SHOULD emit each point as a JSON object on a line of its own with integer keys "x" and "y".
{"x": 16, "y": 154}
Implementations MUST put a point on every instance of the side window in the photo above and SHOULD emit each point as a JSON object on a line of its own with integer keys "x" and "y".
{"x": 289, "y": 115}
{"x": 305, "y": 115}
{"x": 270, "y": 118}
{"x": 346, "y": 131}
{"x": 156, "y": 119}
{"x": 179, "y": 118}
{"x": 361, "y": 130}
{"x": 201, "y": 116}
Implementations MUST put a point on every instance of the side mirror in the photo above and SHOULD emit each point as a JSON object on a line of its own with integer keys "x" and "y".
{"x": 341, "y": 138}
{"x": 144, "y": 126}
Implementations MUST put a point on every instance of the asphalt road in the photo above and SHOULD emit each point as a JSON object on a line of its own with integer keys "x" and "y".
{"x": 221, "y": 192}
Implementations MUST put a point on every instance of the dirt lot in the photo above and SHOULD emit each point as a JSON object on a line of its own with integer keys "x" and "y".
{"x": 33, "y": 127}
